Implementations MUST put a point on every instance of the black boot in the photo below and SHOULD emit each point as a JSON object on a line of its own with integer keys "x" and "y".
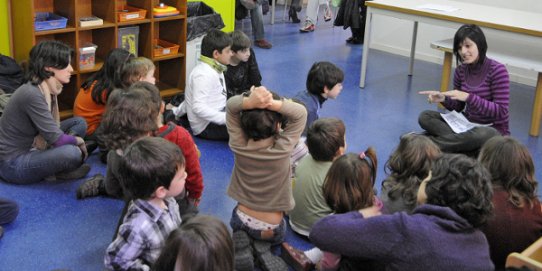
{"x": 292, "y": 14}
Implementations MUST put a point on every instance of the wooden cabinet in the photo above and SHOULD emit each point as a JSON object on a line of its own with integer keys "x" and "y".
{"x": 170, "y": 69}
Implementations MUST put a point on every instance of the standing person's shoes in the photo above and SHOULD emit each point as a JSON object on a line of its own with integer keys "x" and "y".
{"x": 264, "y": 44}
{"x": 308, "y": 26}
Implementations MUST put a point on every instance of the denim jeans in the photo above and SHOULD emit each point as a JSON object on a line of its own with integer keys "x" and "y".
{"x": 35, "y": 165}
{"x": 256, "y": 19}
{"x": 468, "y": 142}
{"x": 75, "y": 126}
{"x": 238, "y": 225}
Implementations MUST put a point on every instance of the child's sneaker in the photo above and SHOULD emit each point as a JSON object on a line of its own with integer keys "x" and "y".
{"x": 244, "y": 260}
{"x": 307, "y": 27}
{"x": 92, "y": 187}
{"x": 267, "y": 261}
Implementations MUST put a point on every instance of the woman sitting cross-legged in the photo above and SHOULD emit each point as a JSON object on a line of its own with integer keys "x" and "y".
{"x": 34, "y": 143}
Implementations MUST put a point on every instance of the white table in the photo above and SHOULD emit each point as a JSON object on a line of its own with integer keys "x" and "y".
{"x": 518, "y": 26}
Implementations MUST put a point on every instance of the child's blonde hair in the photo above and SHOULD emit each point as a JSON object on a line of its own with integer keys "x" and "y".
{"x": 134, "y": 69}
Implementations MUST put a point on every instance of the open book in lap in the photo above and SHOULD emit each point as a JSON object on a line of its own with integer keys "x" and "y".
{"x": 459, "y": 123}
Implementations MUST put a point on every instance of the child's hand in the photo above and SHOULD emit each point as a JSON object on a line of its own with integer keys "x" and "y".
{"x": 259, "y": 97}
{"x": 433, "y": 96}
{"x": 370, "y": 211}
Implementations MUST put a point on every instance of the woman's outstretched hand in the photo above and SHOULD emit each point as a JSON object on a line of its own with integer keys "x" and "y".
{"x": 433, "y": 96}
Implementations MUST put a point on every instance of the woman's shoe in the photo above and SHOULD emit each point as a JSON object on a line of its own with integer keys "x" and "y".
{"x": 292, "y": 14}
{"x": 328, "y": 14}
{"x": 307, "y": 27}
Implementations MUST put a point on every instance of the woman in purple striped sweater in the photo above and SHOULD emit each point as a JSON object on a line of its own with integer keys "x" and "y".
{"x": 481, "y": 94}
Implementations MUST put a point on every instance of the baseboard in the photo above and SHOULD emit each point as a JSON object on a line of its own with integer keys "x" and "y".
{"x": 514, "y": 76}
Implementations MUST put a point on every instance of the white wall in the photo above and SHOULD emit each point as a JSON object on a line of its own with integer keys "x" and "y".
{"x": 395, "y": 35}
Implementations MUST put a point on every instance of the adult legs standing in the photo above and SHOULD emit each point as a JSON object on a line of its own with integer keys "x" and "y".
{"x": 256, "y": 19}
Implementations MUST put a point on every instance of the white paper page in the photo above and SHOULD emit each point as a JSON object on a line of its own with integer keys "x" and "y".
{"x": 458, "y": 122}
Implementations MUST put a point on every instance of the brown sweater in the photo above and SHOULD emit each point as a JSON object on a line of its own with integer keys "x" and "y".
{"x": 261, "y": 175}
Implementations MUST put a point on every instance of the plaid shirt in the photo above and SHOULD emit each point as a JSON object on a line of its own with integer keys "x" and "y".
{"x": 142, "y": 235}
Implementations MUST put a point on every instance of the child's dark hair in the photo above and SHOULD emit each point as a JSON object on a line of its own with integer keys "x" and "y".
{"x": 323, "y": 74}
{"x": 128, "y": 116}
{"x": 408, "y": 165}
{"x": 240, "y": 41}
{"x": 214, "y": 40}
{"x": 464, "y": 185}
{"x": 48, "y": 53}
{"x": 260, "y": 124}
{"x": 474, "y": 33}
{"x": 134, "y": 69}
{"x": 511, "y": 167}
{"x": 108, "y": 77}
{"x": 324, "y": 138}
{"x": 350, "y": 180}
{"x": 201, "y": 244}
{"x": 147, "y": 164}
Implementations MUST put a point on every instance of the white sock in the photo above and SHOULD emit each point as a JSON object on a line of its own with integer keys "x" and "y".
{"x": 314, "y": 255}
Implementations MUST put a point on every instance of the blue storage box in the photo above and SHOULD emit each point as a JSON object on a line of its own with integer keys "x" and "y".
{"x": 48, "y": 21}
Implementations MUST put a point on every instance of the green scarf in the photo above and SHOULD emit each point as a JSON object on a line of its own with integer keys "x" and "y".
{"x": 220, "y": 68}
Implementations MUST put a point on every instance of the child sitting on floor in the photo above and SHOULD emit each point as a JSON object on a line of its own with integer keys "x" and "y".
{"x": 152, "y": 171}
{"x": 260, "y": 181}
{"x": 202, "y": 244}
{"x": 243, "y": 71}
{"x": 441, "y": 234}
{"x": 325, "y": 141}
{"x": 348, "y": 186}
{"x": 407, "y": 166}
{"x": 206, "y": 91}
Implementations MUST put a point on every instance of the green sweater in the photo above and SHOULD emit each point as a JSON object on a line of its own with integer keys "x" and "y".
{"x": 310, "y": 205}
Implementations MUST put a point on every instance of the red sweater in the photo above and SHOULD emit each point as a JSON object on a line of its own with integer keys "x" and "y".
{"x": 183, "y": 139}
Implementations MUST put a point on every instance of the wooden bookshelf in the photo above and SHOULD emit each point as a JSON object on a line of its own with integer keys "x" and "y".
{"x": 170, "y": 69}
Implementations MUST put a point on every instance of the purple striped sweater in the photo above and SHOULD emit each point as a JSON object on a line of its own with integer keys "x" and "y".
{"x": 488, "y": 86}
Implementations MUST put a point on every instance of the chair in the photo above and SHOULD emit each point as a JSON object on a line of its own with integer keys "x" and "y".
{"x": 530, "y": 257}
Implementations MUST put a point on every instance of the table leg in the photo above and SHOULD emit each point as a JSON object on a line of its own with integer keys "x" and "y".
{"x": 273, "y": 3}
{"x": 366, "y": 45}
{"x": 537, "y": 108}
{"x": 413, "y": 48}
{"x": 446, "y": 70}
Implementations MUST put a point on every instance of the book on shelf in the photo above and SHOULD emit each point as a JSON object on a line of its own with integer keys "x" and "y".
{"x": 90, "y": 21}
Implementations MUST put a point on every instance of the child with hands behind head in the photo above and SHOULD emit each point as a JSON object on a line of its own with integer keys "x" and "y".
{"x": 153, "y": 172}
{"x": 441, "y": 234}
{"x": 481, "y": 93}
{"x": 260, "y": 180}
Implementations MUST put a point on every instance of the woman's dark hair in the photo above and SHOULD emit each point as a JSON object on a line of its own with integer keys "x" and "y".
{"x": 128, "y": 116}
{"x": 511, "y": 167}
{"x": 201, "y": 244}
{"x": 349, "y": 183}
{"x": 464, "y": 185}
{"x": 214, "y": 40}
{"x": 408, "y": 165}
{"x": 147, "y": 164}
{"x": 260, "y": 124}
{"x": 48, "y": 53}
{"x": 108, "y": 77}
{"x": 323, "y": 74}
{"x": 325, "y": 137}
{"x": 474, "y": 33}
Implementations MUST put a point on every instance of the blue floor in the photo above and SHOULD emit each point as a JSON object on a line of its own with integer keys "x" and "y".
{"x": 56, "y": 231}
